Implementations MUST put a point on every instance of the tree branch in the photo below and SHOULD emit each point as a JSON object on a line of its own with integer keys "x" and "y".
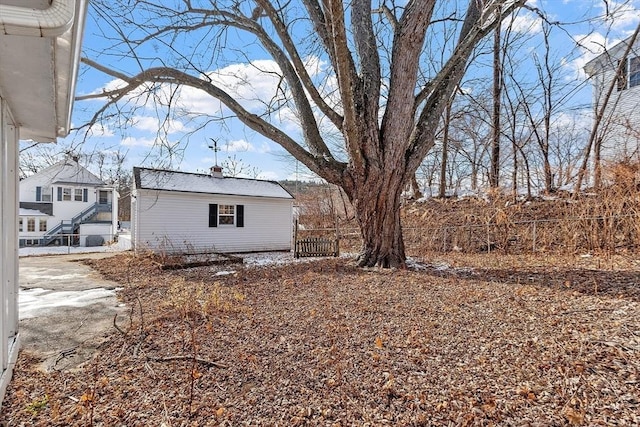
{"x": 327, "y": 168}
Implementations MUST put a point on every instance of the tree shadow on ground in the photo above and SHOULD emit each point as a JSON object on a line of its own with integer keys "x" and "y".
{"x": 607, "y": 283}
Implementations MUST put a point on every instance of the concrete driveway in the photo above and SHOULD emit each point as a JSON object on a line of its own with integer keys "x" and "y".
{"x": 65, "y": 309}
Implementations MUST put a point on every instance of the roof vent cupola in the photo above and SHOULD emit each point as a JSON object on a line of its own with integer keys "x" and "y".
{"x": 216, "y": 171}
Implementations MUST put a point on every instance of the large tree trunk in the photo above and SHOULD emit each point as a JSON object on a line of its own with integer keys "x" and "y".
{"x": 377, "y": 205}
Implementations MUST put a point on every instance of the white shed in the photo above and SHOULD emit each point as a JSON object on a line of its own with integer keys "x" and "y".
{"x": 180, "y": 212}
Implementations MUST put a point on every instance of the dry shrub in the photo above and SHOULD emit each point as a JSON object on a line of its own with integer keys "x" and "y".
{"x": 199, "y": 301}
{"x": 603, "y": 221}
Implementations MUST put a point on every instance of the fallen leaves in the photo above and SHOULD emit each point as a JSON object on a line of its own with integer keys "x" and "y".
{"x": 324, "y": 343}
{"x": 378, "y": 343}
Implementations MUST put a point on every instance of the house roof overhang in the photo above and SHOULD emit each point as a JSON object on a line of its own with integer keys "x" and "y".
{"x": 40, "y": 42}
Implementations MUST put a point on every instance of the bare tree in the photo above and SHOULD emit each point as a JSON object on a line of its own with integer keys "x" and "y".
{"x": 494, "y": 172}
{"x": 385, "y": 111}
{"x": 234, "y": 167}
{"x": 472, "y": 132}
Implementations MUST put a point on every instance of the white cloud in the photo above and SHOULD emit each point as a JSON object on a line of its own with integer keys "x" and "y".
{"x": 238, "y": 145}
{"x": 620, "y": 15}
{"x": 251, "y": 84}
{"x": 131, "y": 141}
{"x": 153, "y": 124}
{"x": 525, "y": 23}
{"x": 269, "y": 175}
{"x": 100, "y": 131}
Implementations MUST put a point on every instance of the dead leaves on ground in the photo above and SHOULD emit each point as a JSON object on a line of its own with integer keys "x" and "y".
{"x": 325, "y": 343}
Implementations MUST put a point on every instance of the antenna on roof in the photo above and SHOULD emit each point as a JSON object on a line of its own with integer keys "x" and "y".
{"x": 215, "y": 149}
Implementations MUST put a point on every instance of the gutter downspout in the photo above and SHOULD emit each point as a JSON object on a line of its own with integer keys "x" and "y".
{"x": 25, "y": 21}
{"x": 75, "y": 59}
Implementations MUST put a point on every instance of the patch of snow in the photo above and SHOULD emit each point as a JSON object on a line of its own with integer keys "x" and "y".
{"x": 224, "y": 273}
{"x": 123, "y": 244}
{"x": 261, "y": 259}
{"x": 31, "y": 212}
{"x": 35, "y": 302}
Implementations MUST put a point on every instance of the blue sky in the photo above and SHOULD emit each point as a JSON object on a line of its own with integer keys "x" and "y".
{"x": 586, "y": 22}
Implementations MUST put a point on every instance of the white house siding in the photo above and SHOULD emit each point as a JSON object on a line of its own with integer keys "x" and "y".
{"x": 9, "y": 338}
{"x": 104, "y": 230}
{"x": 65, "y": 210}
{"x": 619, "y": 129}
{"x": 177, "y": 222}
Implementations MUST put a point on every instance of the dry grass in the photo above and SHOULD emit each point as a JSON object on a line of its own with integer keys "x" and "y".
{"x": 516, "y": 340}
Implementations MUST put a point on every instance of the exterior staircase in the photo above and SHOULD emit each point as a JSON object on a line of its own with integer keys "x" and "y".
{"x": 70, "y": 227}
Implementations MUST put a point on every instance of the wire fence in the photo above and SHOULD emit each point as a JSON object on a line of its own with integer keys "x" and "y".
{"x": 68, "y": 240}
{"x": 557, "y": 235}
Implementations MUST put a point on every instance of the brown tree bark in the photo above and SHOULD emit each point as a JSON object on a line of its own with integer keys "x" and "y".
{"x": 377, "y": 205}
{"x": 494, "y": 172}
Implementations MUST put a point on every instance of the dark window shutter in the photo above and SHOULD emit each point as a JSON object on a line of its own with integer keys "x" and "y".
{"x": 239, "y": 215}
{"x": 59, "y": 194}
{"x": 622, "y": 75}
{"x": 85, "y": 195}
{"x": 38, "y": 194}
{"x": 213, "y": 215}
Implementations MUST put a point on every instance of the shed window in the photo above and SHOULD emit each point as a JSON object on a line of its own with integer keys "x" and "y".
{"x": 226, "y": 214}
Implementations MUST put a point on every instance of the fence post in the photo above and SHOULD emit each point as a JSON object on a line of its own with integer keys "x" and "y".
{"x": 488, "y": 238}
{"x": 444, "y": 240}
{"x": 534, "y": 236}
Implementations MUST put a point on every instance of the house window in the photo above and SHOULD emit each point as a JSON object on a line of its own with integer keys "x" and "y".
{"x": 66, "y": 193}
{"x": 634, "y": 71}
{"x": 226, "y": 214}
{"x": 43, "y": 194}
{"x": 78, "y": 195}
{"x": 20, "y": 224}
{"x": 103, "y": 197}
{"x": 43, "y": 225}
{"x": 46, "y": 194}
{"x": 31, "y": 224}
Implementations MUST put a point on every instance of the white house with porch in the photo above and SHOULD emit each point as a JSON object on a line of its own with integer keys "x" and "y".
{"x": 619, "y": 132}
{"x": 40, "y": 44}
{"x": 66, "y": 204}
{"x": 180, "y": 212}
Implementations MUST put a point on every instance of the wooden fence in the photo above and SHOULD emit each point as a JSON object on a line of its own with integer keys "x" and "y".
{"x": 316, "y": 246}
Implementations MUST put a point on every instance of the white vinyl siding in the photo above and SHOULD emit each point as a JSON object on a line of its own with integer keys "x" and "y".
{"x": 176, "y": 222}
{"x": 618, "y": 130}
